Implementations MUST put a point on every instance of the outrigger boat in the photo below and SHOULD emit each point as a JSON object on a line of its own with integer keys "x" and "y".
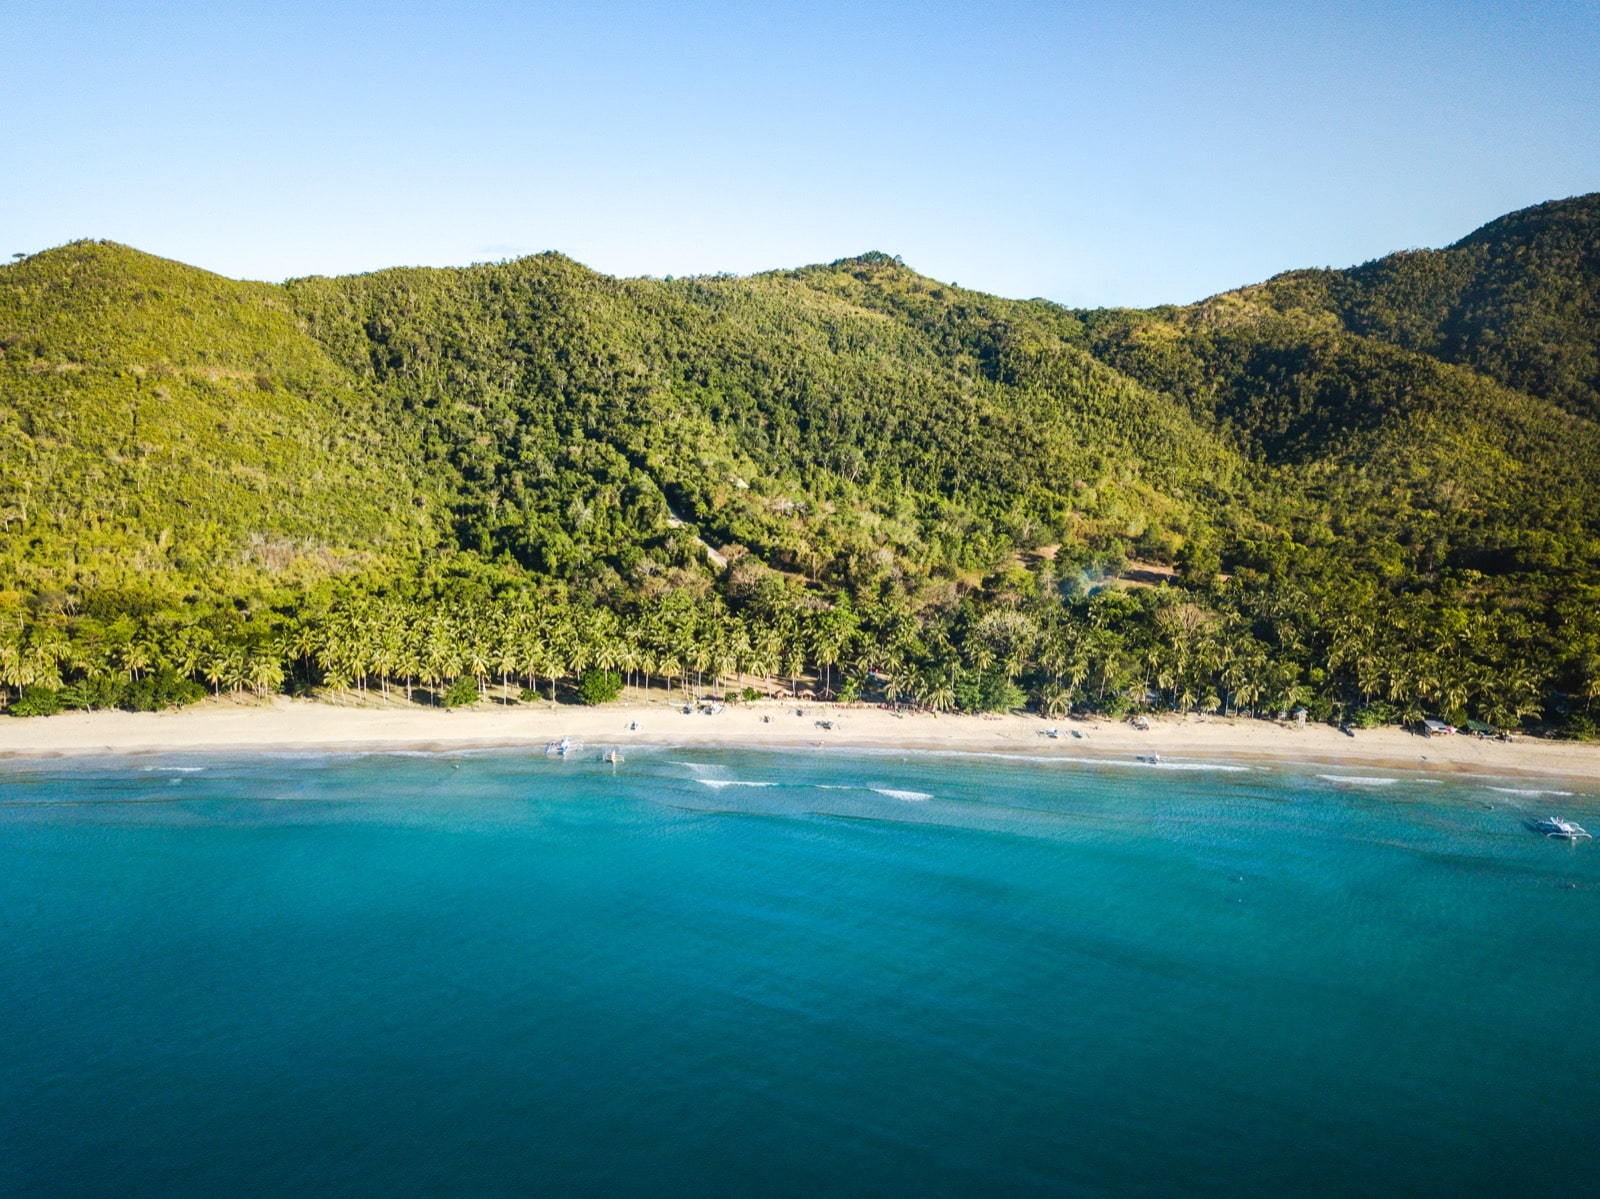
{"x": 1561, "y": 830}
{"x": 563, "y": 747}
{"x": 613, "y": 757}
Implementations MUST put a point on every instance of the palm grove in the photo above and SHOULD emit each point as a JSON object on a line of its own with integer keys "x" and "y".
{"x": 1376, "y": 488}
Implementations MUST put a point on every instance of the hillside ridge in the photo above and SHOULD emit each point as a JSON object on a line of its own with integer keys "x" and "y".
{"x": 875, "y": 474}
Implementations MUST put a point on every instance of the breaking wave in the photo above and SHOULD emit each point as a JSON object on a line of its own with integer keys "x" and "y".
{"x": 1047, "y": 759}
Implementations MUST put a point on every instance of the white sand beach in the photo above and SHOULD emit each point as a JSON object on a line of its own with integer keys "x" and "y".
{"x": 302, "y": 724}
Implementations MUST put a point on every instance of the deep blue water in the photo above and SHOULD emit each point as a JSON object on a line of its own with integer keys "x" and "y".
{"x": 491, "y": 974}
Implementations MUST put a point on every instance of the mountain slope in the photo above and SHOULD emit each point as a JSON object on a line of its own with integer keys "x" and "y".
{"x": 797, "y": 413}
{"x": 1435, "y": 464}
{"x": 161, "y": 423}
{"x": 1517, "y": 300}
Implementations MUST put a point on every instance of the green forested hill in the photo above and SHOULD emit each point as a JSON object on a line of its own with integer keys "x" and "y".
{"x": 816, "y": 417}
{"x": 1445, "y": 466}
{"x": 1379, "y": 486}
{"x": 1518, "y": 300}
{"x": 163, "y": 427}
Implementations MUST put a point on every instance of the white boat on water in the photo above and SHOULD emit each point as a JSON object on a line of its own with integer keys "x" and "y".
{"x": 563, "y": 747}
{"x": 1562, "y": 830}
{"x": 613, "y": 757}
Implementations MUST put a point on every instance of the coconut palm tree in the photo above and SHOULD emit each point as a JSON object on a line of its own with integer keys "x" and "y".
{"x": 936, "y": 690}
{"x": 233, "y": 661}
{"x": 669, "y": 666}
{"x": 215, "y": 668}
{"x": 264, "y": 670}
{"x": 16, "y": 669}
{"x": 628, "y": 659}
{"x": 1055, "y": 699}
{"x": 478, "y": 657}
{"x": 134, "y": 657}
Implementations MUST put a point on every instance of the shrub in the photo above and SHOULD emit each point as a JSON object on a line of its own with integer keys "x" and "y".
{"x": 529, "y": 696}
{"x": 1582, "y": 727}
{"x": 1319, "y": 709}
{"x": 751, "y": 694}
{"x": 989, "y": 691}
{"x": 37, "y": 700}
{"x": 103, "y": 691}
{"x": 461, "y": 693}
{"x": 1199, "y": 564}
{"x": 1371, "y": 716}
{"x": 599, "y": 686}
{"x": 163, "y": 689}
{"x": 1116, "y": 705}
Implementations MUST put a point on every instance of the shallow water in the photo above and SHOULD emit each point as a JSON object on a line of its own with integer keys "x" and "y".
{"x": 789, "y": 974}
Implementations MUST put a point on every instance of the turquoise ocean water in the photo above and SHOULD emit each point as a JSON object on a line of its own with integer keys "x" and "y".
{"x": 789, "y": 974}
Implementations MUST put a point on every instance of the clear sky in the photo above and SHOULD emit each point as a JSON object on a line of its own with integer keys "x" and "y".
{"x": 1113, "y": 153}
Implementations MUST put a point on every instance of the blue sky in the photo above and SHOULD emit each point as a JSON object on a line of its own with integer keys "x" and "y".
{"x": 1094, "y": 154}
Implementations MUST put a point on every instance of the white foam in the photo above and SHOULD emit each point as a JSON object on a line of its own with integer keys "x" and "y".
{"x": 1194, "y": 766}
{"x": 175, "y": 769}
{"x": 1220, "y": 767}
{"x": 1068, "y": 760}
{"x": 698, "y": 767}
{"x": 1358, "y": 780}
{"x": 719, "y": 783}
{"x": 891, "y": 792}
{"x": 907, "y": 796}
{"x": 1531, "y": 791}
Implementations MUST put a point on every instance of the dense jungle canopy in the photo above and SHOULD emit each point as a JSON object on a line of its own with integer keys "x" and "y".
{"x": 1372, "y": 492}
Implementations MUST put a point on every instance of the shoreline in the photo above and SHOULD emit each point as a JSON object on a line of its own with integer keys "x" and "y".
{"x": 286, "y": 725}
